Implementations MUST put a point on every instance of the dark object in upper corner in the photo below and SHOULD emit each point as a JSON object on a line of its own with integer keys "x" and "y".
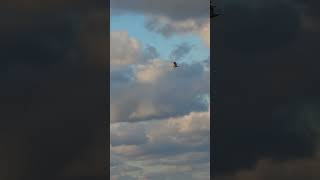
{"x": 212, "y": 13}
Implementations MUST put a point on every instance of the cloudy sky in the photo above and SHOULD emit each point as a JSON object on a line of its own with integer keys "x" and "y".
{"x": 53, "y": 90}
{"x": 267, "y": 85}
{"x": 160, "y": 123}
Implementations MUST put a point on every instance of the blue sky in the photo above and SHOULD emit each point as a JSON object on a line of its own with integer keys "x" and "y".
{"x": 134, "y": 25}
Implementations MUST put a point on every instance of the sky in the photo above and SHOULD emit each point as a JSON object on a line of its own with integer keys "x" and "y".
{"x": 267, "y": 90}
{"x": 160, "y": 119}
{"x": 53, "y": 90}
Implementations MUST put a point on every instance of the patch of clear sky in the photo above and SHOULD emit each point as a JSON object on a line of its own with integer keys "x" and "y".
{"x": 134, "y": 25}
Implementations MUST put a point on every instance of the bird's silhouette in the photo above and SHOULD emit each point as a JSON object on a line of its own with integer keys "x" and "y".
{"x": 175, "y": 65}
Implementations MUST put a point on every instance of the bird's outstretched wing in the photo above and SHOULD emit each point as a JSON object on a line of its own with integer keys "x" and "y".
{"x": 175, "y": 64}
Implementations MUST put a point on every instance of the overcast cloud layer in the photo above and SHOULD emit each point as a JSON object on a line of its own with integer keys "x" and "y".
{"x": 177, "y": 9}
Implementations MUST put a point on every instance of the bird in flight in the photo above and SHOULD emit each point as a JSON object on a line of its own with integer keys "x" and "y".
{"x": 175, "y": 65}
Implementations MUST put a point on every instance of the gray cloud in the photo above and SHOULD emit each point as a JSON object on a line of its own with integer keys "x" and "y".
{"x": 180, "y": 51}
{"x": 121, "y": 76}
{"x": 265, "y": 76}
{"x": 127, "y": 134}
{"x": 163, "y": 97}
{"x": 267, "y": 169}
{"x": 168, "y": 27}
{"x": 177, "y": 10}
{"x": 161, "y": 110}
{"x": 118, "y": 170}
{"x": 174, "y": 142}
{"x": 154, "y": 24}
{"x": 150, "y": 53}
{"x": 52, "y": 96}
{"x": 171, "y": 17}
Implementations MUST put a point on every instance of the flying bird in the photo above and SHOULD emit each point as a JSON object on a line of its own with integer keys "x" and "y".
{"x": 175, "y": 65}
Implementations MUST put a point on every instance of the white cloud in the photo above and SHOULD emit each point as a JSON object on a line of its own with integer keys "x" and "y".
{"x": 159, "y": 127}
{"x": 144, "y": 109}
{"x": 151, "y": 71}
{"x": 174, "y": 147}
{"x": 169, "y": 136}
{"x": 124, "y": 50}
{"x": 204, "y": 32}
{"x": 143, "y": 89}
{"x": 159, "y": 92}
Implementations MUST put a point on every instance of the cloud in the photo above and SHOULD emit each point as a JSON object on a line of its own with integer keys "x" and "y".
{"x": 267, "y": 82}
{"x": 121, "y": 76}
{"x": 174, "y": 172}
{"x": 177, "y": 10}
{"x": 124, "y": 50}
{"x": 159, "y": 119}
{"x": 124, "y": 170}
{"x": 166, "y": 134}
{"x": 152, "y": 71}
{"x": 150, "y": 52}
{"x": 159, "y": 92}
{"x": 175, "y": 146}
{"x": 127, "y": 134}
{"x": 204, "y": 33}
{"x": 180, "y": 51}
{"x": 266, "y": 169}
{"x": 36, "y": 6}
{"x": 168, "y": 27}
{"x": 310, "y": 7}
{"x": 153, "y": 84}
{"x": 171, "y": 17}
{"x": 309, "y": 15}
{"x": 259, "y": 31}
{"x": 52, "y": 85}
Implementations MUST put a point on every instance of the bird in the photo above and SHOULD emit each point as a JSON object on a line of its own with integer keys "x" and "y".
{"x": 175, "y": 65}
